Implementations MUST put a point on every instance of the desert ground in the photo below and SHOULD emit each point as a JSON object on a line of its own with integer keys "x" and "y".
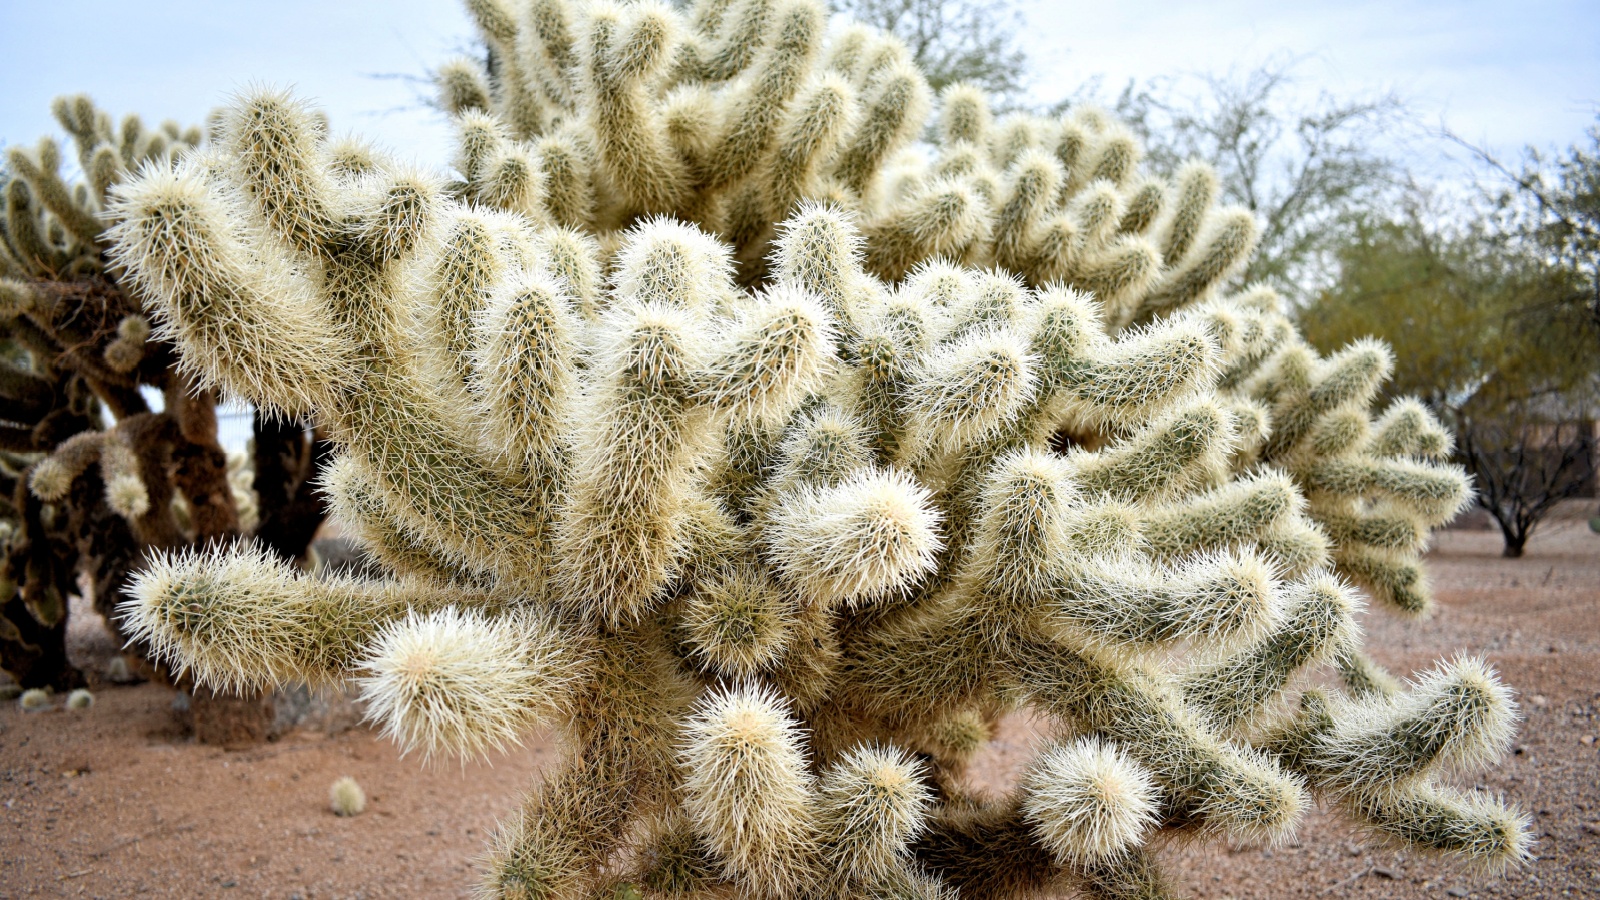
{"x": 116, "y": 801}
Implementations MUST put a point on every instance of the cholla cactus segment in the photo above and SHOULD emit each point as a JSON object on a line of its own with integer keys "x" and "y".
{"x": 528, "y": 329}
{"x": 34, "y": 700}
{"x": 873, "y": 802}
{"x": 1380, "y": 761}
{"x": 1120, "y": 605}
{"x": 179, "y": 233}
{"x": 739, "y": 624}
{"x": 458, "y": 682}
{"x": 749, "y": 793}
{"x": 1442, "y": 819}
{"x": 1088, "y": 801}
{"x": 968, "y": 390}
{"x": 346, "y": 798}
{"x": 1455, "y": 717}
{"x": 244, "y": 619}
{"x": 726, "y": 472}
{"x": 874, "y": 533}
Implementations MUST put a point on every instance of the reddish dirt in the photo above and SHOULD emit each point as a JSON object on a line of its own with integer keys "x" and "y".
{"x": 116, "y": 802}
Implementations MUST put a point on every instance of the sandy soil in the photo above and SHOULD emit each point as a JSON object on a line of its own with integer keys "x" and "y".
{"x": 116, "y": 802}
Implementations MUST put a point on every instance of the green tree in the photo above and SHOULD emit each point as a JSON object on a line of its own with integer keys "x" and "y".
{"x": 1487, "y": 333}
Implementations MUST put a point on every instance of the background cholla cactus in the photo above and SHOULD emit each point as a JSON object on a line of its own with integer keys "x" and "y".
{"x": 981, "y": 431}
{"x": 93, "y": 478}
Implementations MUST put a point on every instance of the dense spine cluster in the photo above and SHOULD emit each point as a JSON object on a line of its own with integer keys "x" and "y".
{"x": 774, "y": 463}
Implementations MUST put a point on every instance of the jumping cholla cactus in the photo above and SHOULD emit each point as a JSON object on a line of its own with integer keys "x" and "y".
{"x": 980, "y": 431}
{"x": 76, "y": 345}
{"x": 93, "y": 477}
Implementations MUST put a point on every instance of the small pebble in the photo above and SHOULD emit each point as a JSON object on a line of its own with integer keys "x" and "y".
{"x": 1540, "y": 701}
{"x": 1587, "y": 739}
{"x": 1383, "y": 872}
{"x": 1457, "y": 892}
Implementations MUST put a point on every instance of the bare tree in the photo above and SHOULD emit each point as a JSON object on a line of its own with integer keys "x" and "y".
{"x": 953, "y": 40}
{"x": 1303, "y": 165}
{"x": 1553, "y": 204}
{"x": 1524, "y": 466}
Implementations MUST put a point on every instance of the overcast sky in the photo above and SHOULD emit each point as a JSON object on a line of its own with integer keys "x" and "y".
{"x": 1507, "y": 73}
{"x": 1504, "y": 73}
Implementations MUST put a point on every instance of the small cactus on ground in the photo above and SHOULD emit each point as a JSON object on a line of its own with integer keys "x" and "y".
{"x": 80, "y": 699}
{"x": 346, "y": 798}
{"x": 34, "y": 700}
{"x": 772, "y": 465}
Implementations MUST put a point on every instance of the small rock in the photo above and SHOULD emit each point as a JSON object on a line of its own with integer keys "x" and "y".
{"x": 230, "y": 883}
{"x": 1456, "y": 892}
{"x": 1352, "y": 849}
{"x": 1539, "y": 700}
{"x": 1592, "y": 827}
{"x": 1383, "y": 872}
